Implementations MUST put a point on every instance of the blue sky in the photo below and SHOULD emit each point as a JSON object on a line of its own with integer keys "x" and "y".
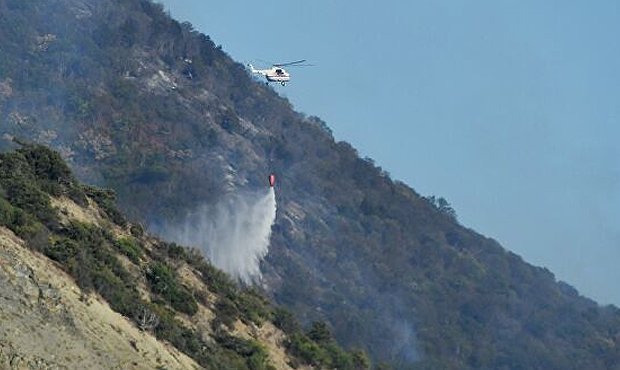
{"x": 508, "y": 109}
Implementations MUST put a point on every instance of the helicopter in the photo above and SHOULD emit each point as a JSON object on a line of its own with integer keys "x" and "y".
{"x": 277, "y": 73}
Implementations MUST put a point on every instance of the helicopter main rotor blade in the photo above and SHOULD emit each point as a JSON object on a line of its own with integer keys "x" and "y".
{"x": 289, "y": 63}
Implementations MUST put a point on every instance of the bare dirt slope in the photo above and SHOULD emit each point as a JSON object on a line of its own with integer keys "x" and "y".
{"x": 46, "y": 322}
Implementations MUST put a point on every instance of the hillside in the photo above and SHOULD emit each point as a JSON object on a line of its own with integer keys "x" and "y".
{"x": 82, "y": 288}
{"x": 149, "y": 107}
{"x": 47, "y": 323}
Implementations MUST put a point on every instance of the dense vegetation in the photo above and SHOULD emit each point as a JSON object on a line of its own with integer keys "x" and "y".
{"x": 89, "y": 253}
{"x": 155, "y": 110}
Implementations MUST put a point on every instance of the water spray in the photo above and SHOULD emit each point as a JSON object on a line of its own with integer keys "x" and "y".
{"x": 234, "y": 234}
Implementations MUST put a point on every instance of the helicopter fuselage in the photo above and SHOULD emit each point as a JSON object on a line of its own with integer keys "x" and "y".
{"x": 273, "y": 74}
{"x": 276, "y": 74}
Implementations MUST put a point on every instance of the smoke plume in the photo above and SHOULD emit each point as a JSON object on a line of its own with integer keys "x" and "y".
{"x": 234, "y": 234}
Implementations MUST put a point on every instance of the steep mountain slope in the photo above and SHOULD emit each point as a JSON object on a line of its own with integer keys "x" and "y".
{"x": 82, "y": 288}
{"x": 145, "y": 105}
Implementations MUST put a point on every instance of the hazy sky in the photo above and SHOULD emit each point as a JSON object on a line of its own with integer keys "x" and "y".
{"x": 508, "y": 109}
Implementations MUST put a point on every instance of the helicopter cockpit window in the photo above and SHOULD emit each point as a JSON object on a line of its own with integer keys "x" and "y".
{"x": 279, "y": 71}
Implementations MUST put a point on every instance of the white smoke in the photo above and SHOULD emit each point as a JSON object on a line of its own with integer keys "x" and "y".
{"x": 234, "y": 234}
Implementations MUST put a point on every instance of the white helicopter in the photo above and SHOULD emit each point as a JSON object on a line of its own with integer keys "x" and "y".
{"x": 277, "y": 73}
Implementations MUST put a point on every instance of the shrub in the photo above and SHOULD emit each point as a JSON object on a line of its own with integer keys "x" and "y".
{"x": 226, "y": 313}
{"x": 62, "y": 250}
{"x": 175, "y": 251}
{"x": 320, "y": 333}
{"x": 106, "y": 200}
{"x": 25, "y": 195}
{"x": 256, "y": 357}
{"x": 7, "y": 213}
{"x": 137, "y": 230}
{"x": 308, "y": 351}
{"x": 130, "y": 248}
{"x": 253, "y": 306}
{"x": 164, "y": 282}
{"x": 36, "y": 236}
{"x": 285, "y": 321}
